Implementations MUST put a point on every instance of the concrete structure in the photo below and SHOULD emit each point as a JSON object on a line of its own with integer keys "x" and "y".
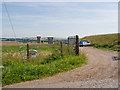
{"x": 38, "y": 39}
{"x": 72, "y": 40}
{"x": 50, "y": 40}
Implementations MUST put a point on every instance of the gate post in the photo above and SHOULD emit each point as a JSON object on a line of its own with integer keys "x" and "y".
{"x": 68, "y": 46}
{"x": 61, "y": 48}
{"x": 27, "y": 51}
{"x": 77, "y": 46}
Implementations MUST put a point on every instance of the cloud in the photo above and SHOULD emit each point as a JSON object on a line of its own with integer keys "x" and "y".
{"x": 106, "y": 8}
{"x": 61, "y": 0}
{"x": 98, "y": 16}
{"x": 36, "y": 20}
{"x": 60, "y": 16}
{"x": 38, "y": 4}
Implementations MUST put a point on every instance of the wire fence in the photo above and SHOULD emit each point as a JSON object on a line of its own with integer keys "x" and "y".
{"x": 58, "y": 47}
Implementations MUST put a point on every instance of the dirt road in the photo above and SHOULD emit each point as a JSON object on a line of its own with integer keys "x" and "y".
{"x": 101, "y": 71}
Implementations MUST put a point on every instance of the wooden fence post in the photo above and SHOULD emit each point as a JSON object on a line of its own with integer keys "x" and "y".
{"x": 77, "y": 46}
{"x": 61, "y": 48}
{"x": 68, "y": 46}
{"x": 27, "y": 51}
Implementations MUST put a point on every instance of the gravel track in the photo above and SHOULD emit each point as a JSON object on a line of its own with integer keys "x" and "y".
{"x": 100, "y": 72}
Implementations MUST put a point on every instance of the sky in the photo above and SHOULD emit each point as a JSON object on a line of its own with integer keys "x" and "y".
{"x": 59, "y": 19}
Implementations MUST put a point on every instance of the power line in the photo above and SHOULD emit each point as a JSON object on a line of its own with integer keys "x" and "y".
{"x": 10, "y": 20}
{"x": 11, "y": 25}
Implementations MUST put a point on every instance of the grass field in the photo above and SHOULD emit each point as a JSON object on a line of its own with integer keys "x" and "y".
{"x": 106, "y": 41}
{"x": 49, "y": 62}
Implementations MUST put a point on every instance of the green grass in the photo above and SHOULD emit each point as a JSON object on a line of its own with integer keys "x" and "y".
{"x": 17, "y": 70}
{"x": 15, "y": 48}
{"x": 106, "y": 41}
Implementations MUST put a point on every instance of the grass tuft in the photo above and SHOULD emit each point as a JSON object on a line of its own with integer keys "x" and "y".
{"x": 17, "y": 70}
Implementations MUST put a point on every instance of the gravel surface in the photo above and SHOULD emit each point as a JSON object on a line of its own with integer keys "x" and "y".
{"x": 100, "y": 72}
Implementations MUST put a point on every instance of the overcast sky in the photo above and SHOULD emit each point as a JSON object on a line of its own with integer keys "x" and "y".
{"x": 60, "y": 19}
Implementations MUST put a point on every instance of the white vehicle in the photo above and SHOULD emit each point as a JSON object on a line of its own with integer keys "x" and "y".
{"x": 33, "y": 52}
{"x": 84, "y": 43}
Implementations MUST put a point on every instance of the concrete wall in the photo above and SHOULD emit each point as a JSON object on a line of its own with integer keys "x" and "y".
{"x": 50, "y": 40}
{"x": 72, "y": 40}
{"x": 38, "y": 39}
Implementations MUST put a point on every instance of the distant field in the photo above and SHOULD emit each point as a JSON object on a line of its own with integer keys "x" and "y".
{"x": 106, "y": 41}
{"x": 17, "y": 43}
{"x": 9, "y": 43}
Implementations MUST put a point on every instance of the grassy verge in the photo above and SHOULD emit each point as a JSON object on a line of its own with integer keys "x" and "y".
{"x": 17, "y": 70}
{"x": 106, "y": 41}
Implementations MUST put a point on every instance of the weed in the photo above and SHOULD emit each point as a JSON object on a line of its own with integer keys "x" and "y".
{"x": 17, "y": 70}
